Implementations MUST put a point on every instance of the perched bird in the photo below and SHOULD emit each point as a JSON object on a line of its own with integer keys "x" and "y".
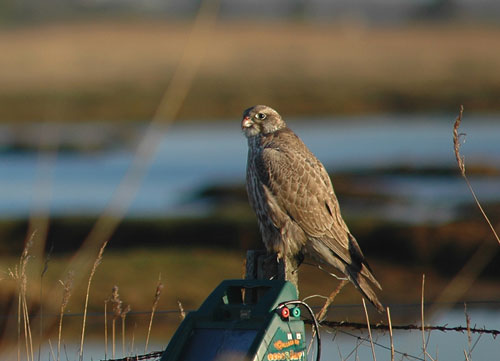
{"x": 293, "y": 198}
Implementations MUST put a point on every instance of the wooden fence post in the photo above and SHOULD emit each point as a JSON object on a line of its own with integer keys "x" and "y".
{"x": 261, "y": 265}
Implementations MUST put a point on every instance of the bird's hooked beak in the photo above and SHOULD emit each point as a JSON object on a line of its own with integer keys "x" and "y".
{"x": 246, "y": 122}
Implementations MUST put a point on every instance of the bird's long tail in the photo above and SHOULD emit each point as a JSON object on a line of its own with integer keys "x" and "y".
{"x": 360, "y": 279}
{"x": 352, "y": 264}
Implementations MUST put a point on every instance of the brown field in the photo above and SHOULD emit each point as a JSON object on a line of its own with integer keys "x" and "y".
{"x": 190, "y": 274}
{"x": 119, "y": 70}
{"x": 189, "y": 271}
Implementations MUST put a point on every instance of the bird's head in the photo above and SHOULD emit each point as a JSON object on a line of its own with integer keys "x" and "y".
{"x": 261, "y": 119}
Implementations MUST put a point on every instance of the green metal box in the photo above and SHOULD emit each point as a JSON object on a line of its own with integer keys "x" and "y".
{"x": 242, "y": 320}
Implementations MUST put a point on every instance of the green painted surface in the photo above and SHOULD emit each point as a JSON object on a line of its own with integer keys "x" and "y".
{"x": 239, "y": 321}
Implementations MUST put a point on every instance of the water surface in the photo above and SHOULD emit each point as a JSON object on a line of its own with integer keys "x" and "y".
{"x": 192, "y": 156}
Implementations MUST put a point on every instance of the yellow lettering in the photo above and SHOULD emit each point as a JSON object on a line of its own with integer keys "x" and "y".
{"x": 288, "y": 355}
{"x": 280, "y": 345}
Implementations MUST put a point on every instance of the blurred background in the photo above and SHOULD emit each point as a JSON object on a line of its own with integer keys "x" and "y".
{"x": 120, "y": 121}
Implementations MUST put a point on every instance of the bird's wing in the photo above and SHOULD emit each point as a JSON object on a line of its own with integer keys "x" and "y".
{"x": 301, "y": 187}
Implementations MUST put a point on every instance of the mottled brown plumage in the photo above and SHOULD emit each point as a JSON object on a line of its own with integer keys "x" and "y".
{"x": 293, "y": 198}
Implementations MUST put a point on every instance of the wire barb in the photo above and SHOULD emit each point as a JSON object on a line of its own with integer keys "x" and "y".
{"x": 151, "y": 355}
{"x": 379, "y": 326}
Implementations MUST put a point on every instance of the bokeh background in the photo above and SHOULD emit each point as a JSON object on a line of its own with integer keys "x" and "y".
{"x": 120, "y": 121}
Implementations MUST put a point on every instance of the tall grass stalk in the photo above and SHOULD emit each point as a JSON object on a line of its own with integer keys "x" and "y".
{"x": 92, "y": 272}
{"x": 466, "y": 356}
{"x": 424, "y": 341}
{"x": 132, "y": 343}
{"x": 389, "y": 321}
{"x": 424, "y": 348}
{"x": 67, "y": 286}
{"x": 51, "y": 350}
{"x": 106, "y": 329}
{"x": 369, "y": 330}
{"x": 18, "y": 323}
{"x": 44, "y": 270}
{"x": 322, "y": 313}
{"x": 461, "y": 165}
{"x": 19, "y": 276}
{"x": 320, "y": 316}
{"x": 123, "y": 316}
{"x": 159, "y": 288}
{"x": 116, "y": 306}
{"x": 27, "y": 328}
{"x": 483, "y": 254}
{"x": 168, "y": 108}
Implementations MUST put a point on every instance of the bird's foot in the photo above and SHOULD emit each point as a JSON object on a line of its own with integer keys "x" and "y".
{"x": 299, "y": 259}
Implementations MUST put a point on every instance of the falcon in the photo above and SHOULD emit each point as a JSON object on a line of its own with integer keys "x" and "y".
{"x": 293, "y": 198}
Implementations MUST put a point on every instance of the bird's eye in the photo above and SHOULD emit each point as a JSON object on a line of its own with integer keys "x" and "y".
{"x": 260, "y": 116}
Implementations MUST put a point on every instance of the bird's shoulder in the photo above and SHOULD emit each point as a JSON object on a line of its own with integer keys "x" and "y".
{"x": 286, "y": 159}
{"x": 284, "y": 148}
{"x": 284, "y": 140}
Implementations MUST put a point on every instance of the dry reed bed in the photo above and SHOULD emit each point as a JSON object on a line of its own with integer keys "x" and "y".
{"x": 30, "y": 344}
{"x": 91, "y": 70}
{"x": 83, "y": 54}
{"x": 118, "y": 342}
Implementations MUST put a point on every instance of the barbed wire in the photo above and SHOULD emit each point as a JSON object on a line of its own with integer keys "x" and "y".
{"x": 383, "y": 327}
{"x": 378, "y": 344}
{"x": 151, "y": 355}
{"x": 485, "y": 303}
{"x": 359, "y": 326}
{"x": 338, "y": 326}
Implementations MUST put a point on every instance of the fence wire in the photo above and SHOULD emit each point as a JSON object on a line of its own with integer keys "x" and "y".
{"x": 336, "y": 325}
{"x": 382, "y": 327}
{"x": 150, "y": 356}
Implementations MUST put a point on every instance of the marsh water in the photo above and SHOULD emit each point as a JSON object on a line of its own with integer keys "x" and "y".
{"x": 192, "y": 156}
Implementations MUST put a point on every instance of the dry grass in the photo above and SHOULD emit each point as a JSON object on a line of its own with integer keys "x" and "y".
{"x": 369, "y": 330}
{"x": 116, "y": 306}
{"x": 320, "y": 316}
{"x": 121, "y": 312}
{"x": 18, "y": 274}
{"x": 134, "y": 285}
{"x": 159, "y": 288}
{"x": 88, "y": 54}
{"x": 484, "y": 253}
{"x": 391, "y": 337}
{"x": 457, "y": 141}
{"x": 123, "y": 317}
{"x": 97, "y": 262}
{"x": 67, "y": 287}
{"x": 165, "y": 113}
{"x": 422, "y": 321}
{"x": 119, "y": 70}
